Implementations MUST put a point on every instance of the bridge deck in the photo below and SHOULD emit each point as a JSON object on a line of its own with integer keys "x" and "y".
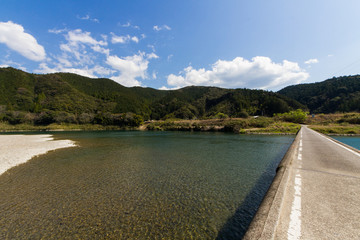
{"x": 321, "y": 194}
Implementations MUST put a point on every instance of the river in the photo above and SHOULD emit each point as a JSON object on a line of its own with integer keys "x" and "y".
{"x": 141, "y": 185}
{"x": 353, "y": 141}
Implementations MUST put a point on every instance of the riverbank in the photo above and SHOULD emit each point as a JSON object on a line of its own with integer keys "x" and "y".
{"x": 260, "y": 125}
{"x": 337, "y": 129}
{"x": 337, "y": 124}
{"x": 18, "y": 149}
{"x": 331, "y": 124}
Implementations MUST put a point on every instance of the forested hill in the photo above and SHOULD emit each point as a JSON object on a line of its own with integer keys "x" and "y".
{"x": 65, "y": 97}
{"x": 341, "y": 94}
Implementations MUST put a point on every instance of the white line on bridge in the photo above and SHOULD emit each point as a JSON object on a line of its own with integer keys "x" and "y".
{"x": 294, "y": 231}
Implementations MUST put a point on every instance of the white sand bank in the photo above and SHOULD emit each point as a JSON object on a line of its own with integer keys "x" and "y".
{"x": 17, "y": 149}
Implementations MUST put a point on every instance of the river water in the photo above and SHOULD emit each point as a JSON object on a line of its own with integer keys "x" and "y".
{"x": 351, "y": 141}
{"x": 141, "y": 185}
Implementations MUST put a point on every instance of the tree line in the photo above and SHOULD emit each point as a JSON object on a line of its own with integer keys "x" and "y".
{"x": 70, "y": 98}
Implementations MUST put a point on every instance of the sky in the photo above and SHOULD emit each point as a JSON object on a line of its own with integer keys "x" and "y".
{"x": 162, "y": 44}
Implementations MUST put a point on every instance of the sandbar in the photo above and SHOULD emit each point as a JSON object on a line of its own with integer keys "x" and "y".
{"x": 18, "y": 149}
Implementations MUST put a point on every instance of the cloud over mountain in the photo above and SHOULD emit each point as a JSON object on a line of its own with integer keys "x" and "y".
{"x": 130, "y": 68}
{"x": 257, "y": 73}
{"x": 15, "y": 38}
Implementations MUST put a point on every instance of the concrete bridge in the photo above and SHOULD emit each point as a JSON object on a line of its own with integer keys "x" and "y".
{"x": 315, "y": 194}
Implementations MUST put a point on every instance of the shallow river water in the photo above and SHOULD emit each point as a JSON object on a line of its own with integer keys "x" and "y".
{"x": 141, "y": 185}
{"x": 351, "y": 141}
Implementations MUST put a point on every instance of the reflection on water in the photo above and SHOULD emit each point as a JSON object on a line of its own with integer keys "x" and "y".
{"x": 137, "y": 185}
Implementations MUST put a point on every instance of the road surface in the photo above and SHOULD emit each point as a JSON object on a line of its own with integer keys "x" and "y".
{"x": 322, "y": 195}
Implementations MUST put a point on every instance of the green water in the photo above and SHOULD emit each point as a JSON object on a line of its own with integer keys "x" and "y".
{"x": 140, "y": 185}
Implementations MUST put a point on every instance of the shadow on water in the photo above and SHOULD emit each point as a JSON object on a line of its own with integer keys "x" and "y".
{"x": 237, "y": 225}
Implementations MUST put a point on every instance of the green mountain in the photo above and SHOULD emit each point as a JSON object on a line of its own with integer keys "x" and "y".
{"x": 341, "y": 94}
{"x": 66, "y": 97}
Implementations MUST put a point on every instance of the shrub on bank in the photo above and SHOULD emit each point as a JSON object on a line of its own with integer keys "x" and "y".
{"x": 297, "y": 116}
{"x": 352, "y": 118}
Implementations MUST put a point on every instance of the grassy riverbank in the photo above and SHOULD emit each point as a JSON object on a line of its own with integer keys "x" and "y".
{"x": 341, "y": 124}
{"x": 237, "y": 125}
{"x": 336, "y": 124}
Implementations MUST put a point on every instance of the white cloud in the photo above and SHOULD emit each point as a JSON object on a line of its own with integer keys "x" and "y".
{"x": 80, "y": 55}
{"x": 65, "y": 47}
{"x": 87, "y": 17}
{"x": 77, "y": 54}
{"x": 44, "y": 68}
{"x": 4, "y": 66}
{"x": 76, "y": 49}
{"x": 130, "y": 68}
{"x": 87, "y": 72}
{"x": 135, "y": 39}
{"x": 154, "y": 76}
{"x": 163, "y": 27}
{"x": 311, "y": 61}
{"x": 15, "y": 38}
{"x": 152, "y": 47}
{"x": 259, "y": 73}
{"x": 78, "y": 36}
{"x": 102, "y": 70}
{"x": 63, "y": 60}
{"x": 166, "y": 88}
{"x": 128, "y": 24}
{"x": 152, "y": 56}
{"x": 104, "y": 36}
{"x": 57, "y": 31}
{"x": 119, "y": 39}
{"x": 10, "y": 63}
{"x": 99, "y": 49}
{"x": 123, "y": 39}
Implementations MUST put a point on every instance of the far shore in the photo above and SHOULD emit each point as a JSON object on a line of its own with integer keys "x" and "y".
{"x": 18, "y": 149}
{"x": 261, "y": 126}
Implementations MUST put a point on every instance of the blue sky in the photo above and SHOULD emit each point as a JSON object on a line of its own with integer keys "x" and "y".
{"x": 256, "y": 44}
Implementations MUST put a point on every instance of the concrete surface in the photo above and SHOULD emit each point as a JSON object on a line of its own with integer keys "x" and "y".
{"x": 320, "y": 189}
